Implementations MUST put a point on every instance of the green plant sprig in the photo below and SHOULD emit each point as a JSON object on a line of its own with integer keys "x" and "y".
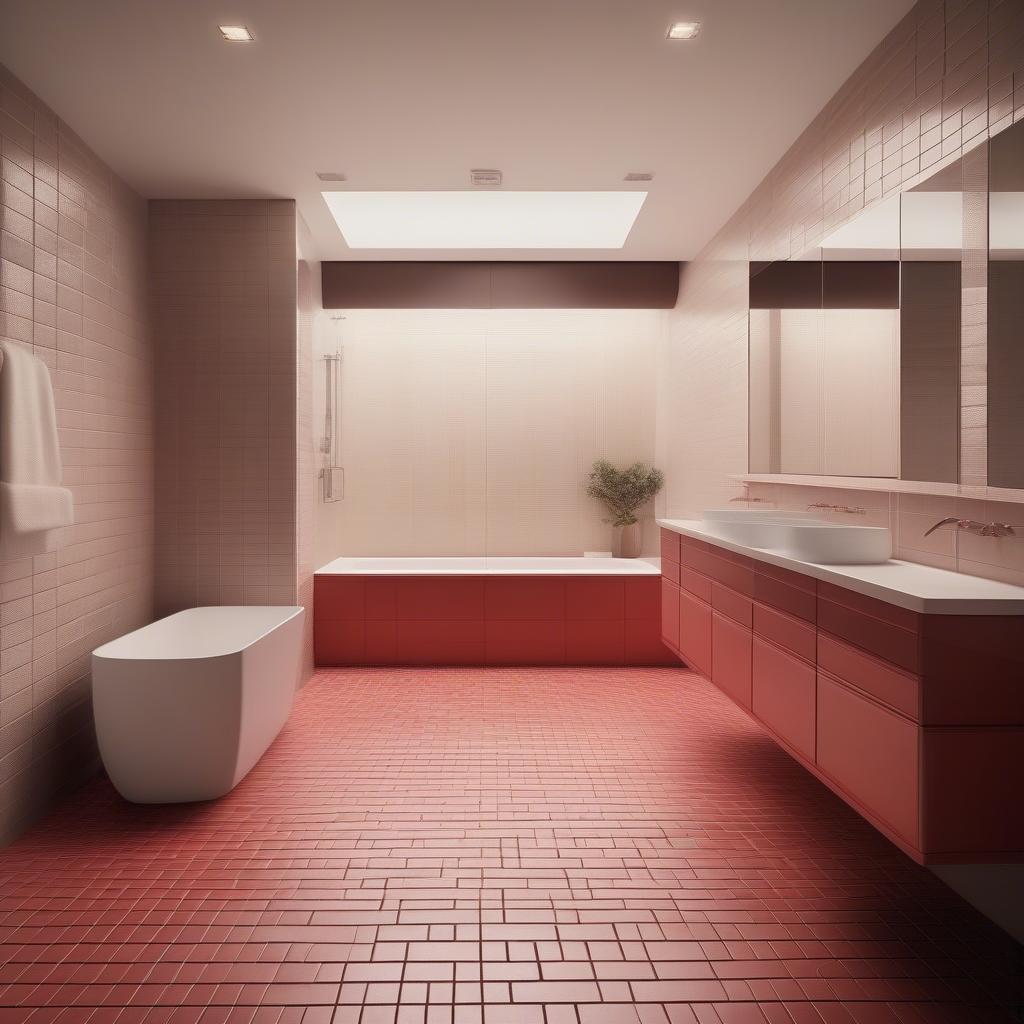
{"x": 623, "y": 491}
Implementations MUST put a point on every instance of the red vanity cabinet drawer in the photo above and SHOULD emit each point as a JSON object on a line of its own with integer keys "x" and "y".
{"x": 670, "y": 555}
{"x": 785, "y": 631}
{"x": 736, "y": 606}
{"x": 670, "y": 612}
{"x": 731, "y": 653}
{"x": 789, "y": 592}
{"x": 696, "y": 583}
{"x": 886, "y": 631}
{"x": 669, "y": 547}
{"x": 880, "y": 680}
{"x": 695, "y": 632}
{"x": 871, "y": 753}
{"x": 783, "y": 695}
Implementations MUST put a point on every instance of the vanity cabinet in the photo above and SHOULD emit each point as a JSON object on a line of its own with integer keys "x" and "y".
{"x": 916, "y": 720}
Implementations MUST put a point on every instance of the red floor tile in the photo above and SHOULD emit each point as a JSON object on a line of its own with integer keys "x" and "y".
{"x": 495, "y": 846}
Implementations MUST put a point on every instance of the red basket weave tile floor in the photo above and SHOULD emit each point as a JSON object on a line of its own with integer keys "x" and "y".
{"x": 506, "y": 846}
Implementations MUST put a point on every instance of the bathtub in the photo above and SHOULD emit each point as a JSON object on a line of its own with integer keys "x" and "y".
{"x": 500, "y": 566}
{"x": 186, "y": 706}
{"x": 489, "y": 611}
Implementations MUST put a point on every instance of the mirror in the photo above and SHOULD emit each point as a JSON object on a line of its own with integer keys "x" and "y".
{"x": 1005, "y": 357}
{"x": 854, "y": 347}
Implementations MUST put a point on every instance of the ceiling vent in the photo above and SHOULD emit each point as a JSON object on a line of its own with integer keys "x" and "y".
{"x": 639, "y": 176}
{"x": 481, "y": 177}
{"x": 331, "y": 176}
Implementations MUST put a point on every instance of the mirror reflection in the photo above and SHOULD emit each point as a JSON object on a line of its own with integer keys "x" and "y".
{"x": 1005, "y": 356}
{"x": 854, "y": 346}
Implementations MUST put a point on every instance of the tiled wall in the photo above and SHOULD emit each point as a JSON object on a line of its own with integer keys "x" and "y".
{"x": 471, "y": 432}
{"x": 225, "y": 313}
{"x": 308, "y": 302}
{"x": 949, "y": 75}
{"x": 73, "y": 287}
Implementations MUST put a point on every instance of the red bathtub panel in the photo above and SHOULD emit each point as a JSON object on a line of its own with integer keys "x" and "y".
{"x": 786, "y": 631}
{"x": 381, "y": 642}
{"x": 884, "y": 639}
{"x": 643, "y": 645}
{"x": 670, "y": 612}
{"x": 449, "y": 598}
{"x": 884, "y": 682}
{"x": 595, "y": 642}
{"x": 521, "y": 642}
{"x": 338, "y": 597}
{"x": 599, "y": 598}
{"x": 506, "y": 620}
{"x": 973, "y": 670}
{"x": 783, "y": 695}
{"x": 973, "y": 780}
{"x": 695, "y": 632}
{"x": 786, "y": 591}
{"x": 643, "y": 598}
{"x": 872, "y": 754}
{"x": 524, "y": 598}
{"x": 669, "y": 547}
{"x": 731, "y": 653}
{"x": 380, "y": 596}
{"x": 441, "y": 642}
{"x": 339, "y": 643}
{"x": 735, "y": 606}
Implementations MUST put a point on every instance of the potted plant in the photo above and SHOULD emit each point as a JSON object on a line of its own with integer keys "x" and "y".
{"x": 622, "y": 492}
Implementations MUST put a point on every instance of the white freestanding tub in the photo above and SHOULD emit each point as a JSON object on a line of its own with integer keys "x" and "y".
{"x": 186, "y": 706}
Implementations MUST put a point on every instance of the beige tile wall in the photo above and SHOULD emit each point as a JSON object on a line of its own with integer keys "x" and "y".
{"x": 223, "y": 279}
{"x": 949, "y": 75}
{"x": 308, "y": 303}
{"x": 471, "y": 432}
{"x": 73, "y": 287}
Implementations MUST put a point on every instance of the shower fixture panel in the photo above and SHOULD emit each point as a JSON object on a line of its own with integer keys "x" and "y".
{"x": 332, "y": 476}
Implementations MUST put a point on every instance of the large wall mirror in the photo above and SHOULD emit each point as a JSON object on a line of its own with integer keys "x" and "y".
{"x": 1005, "y": 420}
{"x": 895, "y": 349}
{"x": 855, "y": 345}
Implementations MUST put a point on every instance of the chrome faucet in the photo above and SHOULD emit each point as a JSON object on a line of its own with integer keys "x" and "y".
{"x": 838, "y": 508}
{"x": 973, "y": 526}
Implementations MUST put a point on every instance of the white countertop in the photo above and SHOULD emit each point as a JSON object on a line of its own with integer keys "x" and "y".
{"x": 920, "y": 588}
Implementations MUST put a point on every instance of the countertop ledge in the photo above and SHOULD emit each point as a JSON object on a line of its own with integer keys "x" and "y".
{"x": 918, "y": 588}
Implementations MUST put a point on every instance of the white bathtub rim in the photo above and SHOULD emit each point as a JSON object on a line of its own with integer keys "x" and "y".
{"x": 492, "y": 565}
{"x": 122, "y": 648}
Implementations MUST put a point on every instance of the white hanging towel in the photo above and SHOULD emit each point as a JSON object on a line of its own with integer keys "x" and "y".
{"x": 32, "y": 502}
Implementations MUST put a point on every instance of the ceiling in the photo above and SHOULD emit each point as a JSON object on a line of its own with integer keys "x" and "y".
{"x": 409, "y": 94}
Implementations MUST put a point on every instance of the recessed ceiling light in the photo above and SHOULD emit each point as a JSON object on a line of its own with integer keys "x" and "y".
{"x": 639, "y": 176}
{"x": 485, "y": 219}
{"x": 684, "y": 30}
{"x": 331, "y": 176}
{"x": 235, "y": 33}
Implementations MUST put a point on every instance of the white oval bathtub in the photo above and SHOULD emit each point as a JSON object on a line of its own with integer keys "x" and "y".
{"x": 492, "y": 566}
{"x": 186, "y": 706}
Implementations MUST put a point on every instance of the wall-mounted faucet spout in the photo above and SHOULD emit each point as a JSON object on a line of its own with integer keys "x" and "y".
{"x": 975, "y": 527}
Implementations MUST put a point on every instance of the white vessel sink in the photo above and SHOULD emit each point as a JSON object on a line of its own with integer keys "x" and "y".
{"x": 836, "y": 544}
{"x": 756, "y": 528}
{"x": 800, "y": 535}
